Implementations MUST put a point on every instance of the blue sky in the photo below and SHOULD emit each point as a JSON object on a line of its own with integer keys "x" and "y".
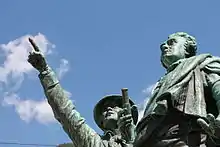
{"x": 97, "y": 47}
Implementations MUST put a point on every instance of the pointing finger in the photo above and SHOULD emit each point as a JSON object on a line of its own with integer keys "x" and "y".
{"x": 36, "y": 48}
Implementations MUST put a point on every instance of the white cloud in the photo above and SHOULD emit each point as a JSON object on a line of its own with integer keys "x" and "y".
{"x": 141, "y": 108}
{"x": 63, "y": 69}
{"x": 68, "y": 94}
{"x": 148, "y": 92}
{"x": 149, "y": 89}
{"x": 12, "y": 74}
{"x": 30, "y": 110}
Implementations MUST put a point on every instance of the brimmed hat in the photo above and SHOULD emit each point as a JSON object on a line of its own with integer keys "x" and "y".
{"x": 112, "y": 100}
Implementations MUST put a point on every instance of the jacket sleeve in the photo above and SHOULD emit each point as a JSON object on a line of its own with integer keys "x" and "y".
{"x": 212, "y": 75}
{"x": 64, "y": 111}
{"x": 213, "y": 80}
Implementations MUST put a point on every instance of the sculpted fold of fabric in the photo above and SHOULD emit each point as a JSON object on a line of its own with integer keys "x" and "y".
{"x": 182, "y": 88}
{"x": 175, "y": 86}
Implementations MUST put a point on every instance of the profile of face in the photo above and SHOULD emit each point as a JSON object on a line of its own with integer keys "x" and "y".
{"x": 110, "y": 117}
{"x": 172, "y": 50}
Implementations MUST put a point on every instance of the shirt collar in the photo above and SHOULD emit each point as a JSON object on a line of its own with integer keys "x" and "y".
{"x": 174, "y": 65}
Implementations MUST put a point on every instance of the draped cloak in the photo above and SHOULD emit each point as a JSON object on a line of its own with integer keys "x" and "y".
{"x": 185, "y": 87}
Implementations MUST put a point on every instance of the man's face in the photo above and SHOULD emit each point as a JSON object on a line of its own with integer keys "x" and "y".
{"x": 110, "y": 117}
{"x": 172, "y": 50}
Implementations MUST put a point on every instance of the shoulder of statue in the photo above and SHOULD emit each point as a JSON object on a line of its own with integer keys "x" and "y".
{"x": 200, "y": 57}
{"x": 210, "y": 61}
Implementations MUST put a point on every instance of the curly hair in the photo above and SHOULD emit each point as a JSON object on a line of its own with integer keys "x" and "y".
{"x": 191, "y": 44}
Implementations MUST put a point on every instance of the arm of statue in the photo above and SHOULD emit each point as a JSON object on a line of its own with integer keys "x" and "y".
{"x": 63, "y": 108}
{"x": 212, "y": 124}
{"x": 64, "y": 111}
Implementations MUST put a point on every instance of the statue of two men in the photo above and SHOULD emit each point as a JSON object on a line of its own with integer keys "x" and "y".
{"x": 184, "y": 110}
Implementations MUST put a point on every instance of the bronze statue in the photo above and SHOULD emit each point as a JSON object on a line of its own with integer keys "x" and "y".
{"x": 184, "y": 110}
{"x": 110, "y": 114}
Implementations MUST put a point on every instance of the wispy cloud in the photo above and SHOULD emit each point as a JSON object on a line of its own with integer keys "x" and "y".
{"x": 12, "y": 74}
{"x": 67, "y": 93}
{"x": 63, "y": 69}
{"x": 147, "y": 92}
{"x": 30, "y": 110}
{"x": 149, "y": 89}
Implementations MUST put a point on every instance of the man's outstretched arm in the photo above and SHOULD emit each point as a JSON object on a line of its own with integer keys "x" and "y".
{"x": 63, "y": 108}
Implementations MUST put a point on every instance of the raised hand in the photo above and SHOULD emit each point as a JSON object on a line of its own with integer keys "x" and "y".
{"x": 125, "y": 125}
{"x": 36, "y": 58}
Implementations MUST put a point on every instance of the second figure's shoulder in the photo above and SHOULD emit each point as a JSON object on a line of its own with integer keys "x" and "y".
{"x": 212, "y": 63}
{"x": 207, "y": 56}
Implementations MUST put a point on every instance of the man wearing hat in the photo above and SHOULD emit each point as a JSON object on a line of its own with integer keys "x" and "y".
{"x": 109, "y": 113}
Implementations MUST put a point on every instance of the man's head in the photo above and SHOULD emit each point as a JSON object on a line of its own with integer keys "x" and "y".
{"x": 106, "y": 112}
{"x": 110, "y": 116}
{"x": 178, "y": 46}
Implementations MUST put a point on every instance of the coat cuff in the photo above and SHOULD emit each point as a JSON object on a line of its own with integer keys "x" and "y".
{"x": 48, "y": 78}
